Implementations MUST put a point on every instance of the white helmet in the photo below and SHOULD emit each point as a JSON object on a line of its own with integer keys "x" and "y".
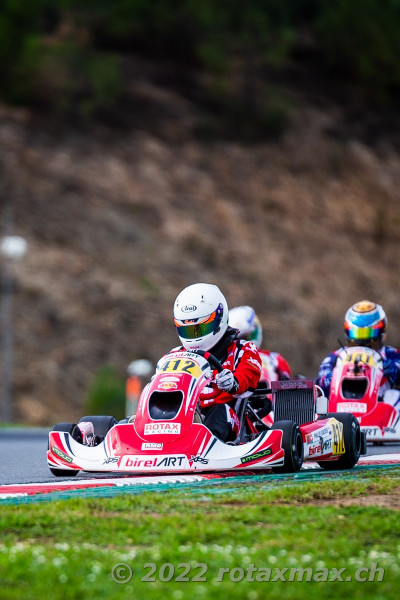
{"x": 245, "y": 319}
{"x": 201, "y": 316}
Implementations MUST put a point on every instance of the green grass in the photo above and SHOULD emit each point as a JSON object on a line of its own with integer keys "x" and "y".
{"x": 15, "y": 425}
{"x": 67, "y": 549}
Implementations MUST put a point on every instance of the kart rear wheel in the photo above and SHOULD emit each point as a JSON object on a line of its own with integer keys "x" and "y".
{"x": 101, "y": 424}
{"x": 292, "y": 444}
{"x": 352, "y": 443}
{"x": 75, "y": 433}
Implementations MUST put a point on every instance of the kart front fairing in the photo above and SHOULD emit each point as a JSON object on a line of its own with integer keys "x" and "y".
{"x": 356, "y": 388}
{"x": 163, "y": 436}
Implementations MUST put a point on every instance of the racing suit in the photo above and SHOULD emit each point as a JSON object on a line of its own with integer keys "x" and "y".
{"x": 274, "y": 367}
{"x": 390, "y": 380}
{"x": 243, "y": 359}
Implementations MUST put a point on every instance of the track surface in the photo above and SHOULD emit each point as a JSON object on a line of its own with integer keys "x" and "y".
{"x": 23, "y": 457}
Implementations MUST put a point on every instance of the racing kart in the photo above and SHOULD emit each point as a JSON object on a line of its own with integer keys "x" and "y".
{"x": 356, "y": 388}
{"x": 167, "y": 433}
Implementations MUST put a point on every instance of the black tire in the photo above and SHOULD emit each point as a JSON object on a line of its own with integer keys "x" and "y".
{"x": 74, "y": 432}
{"x": 101, "y": 424}
{"x": 292, "y": 444}
{"x": 352, "y": 443}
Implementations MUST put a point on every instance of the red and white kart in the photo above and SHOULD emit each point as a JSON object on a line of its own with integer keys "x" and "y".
{"x": 167, "y": 434}
{"x": 356, "y": 389}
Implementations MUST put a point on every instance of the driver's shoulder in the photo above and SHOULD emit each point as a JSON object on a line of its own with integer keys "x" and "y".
{"x": 390, "y": 351}
{"x": 177, "y": 349}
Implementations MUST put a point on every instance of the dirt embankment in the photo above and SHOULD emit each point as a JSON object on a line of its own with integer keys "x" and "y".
{"x": 118, "y": 222}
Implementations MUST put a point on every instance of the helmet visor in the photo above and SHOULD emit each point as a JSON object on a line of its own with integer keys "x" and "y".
{"x": 192, "y": 329}
{"x": 365, "y": 334}
{"x": 254, "y": 335}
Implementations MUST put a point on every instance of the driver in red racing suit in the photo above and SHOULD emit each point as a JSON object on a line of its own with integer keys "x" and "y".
{"x": 201, "y": 319}
{"x": 275, "y": 367}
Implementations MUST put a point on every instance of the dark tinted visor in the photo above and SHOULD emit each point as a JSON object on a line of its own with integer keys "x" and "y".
{"x": 198, "y": 328}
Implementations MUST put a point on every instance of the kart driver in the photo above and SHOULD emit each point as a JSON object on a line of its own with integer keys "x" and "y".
{"x": 275, "y": 367}
{"x": 365, "y": 325}
{"x": 201, "y": 320}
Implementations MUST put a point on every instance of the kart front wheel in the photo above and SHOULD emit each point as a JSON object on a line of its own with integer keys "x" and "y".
{"x": 292, "y": 444}
{"x": 75, "y": 433}
{"x": 352, "y": 443}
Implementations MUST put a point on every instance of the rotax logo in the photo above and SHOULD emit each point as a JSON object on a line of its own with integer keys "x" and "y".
{"x": 162, "y": 428}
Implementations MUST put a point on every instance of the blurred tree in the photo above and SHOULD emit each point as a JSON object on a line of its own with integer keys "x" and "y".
{"x": 106, "y": 394}
{"x": 47, "y": 59}
{"x": 361, "y": 39}
{"x": 67, "y": 53}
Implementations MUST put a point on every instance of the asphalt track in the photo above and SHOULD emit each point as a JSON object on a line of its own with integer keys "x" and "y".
{"x": 23, "y": 457}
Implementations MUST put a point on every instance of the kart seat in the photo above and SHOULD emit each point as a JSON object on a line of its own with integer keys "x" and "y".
{"x": 259, "y": 400}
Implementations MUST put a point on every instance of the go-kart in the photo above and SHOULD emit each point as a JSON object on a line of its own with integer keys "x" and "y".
{"x": 356, "y": 388}
{"x": 167, "y": 433}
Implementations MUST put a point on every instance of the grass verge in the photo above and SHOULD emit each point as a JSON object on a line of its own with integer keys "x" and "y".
{"x": 235, "y": 539}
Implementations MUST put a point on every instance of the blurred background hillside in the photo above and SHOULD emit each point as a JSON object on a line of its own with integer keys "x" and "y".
{"x": 145, "y": 146}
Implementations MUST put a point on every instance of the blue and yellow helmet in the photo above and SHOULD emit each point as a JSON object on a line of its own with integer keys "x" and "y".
{"x": 365, "y": 324}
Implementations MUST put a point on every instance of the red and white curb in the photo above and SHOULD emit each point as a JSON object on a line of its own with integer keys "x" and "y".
{"x": 28, "y": 489}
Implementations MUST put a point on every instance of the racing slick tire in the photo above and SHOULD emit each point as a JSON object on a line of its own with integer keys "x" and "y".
{"x": 75, "y": 433}
{"x": 101, "y": 424}
{"x": 352, "y": 443}
{"x": 292, "y": 444}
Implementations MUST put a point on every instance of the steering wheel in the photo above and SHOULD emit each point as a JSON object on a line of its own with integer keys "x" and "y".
{"x": 214, "y": 362}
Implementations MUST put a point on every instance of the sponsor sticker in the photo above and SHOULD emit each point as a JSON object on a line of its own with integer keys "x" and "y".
{"x": 110, "y": 460}
{"x": 309, "y": 438}
{"x": 315, "y": 450}
{"x": 338, "y": 438}
{"x": 154, "y": 462}
{"x": 199, "y": 459}
{"x": 256, "y": 455}
{"x": 327, "y": 445}
{"x": 371, "y": 431}
{"x": 352, "y": 407}
{"x": 324, "y": 432}
{"x": 151, "y": 446}
{"x": 168, "y": 385}
{"x": 189, "y": 308}
{"x": 162, "y": 428}
{"x": 61, "y": 454}
{"x": 295, "y": 384}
